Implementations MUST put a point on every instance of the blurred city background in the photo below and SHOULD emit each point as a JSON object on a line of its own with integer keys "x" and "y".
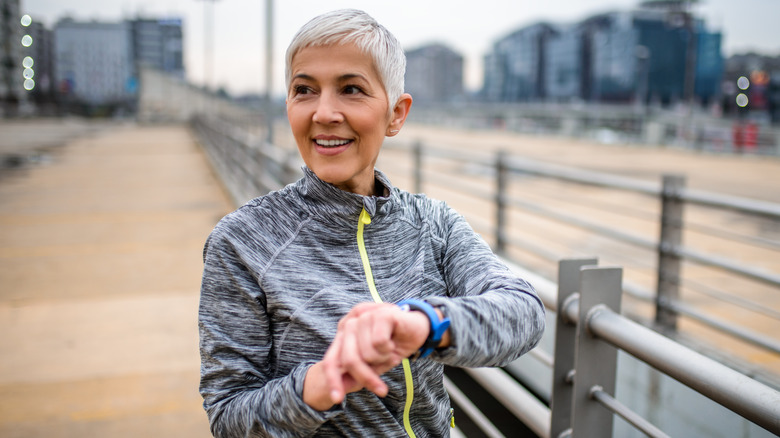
{"x": 645, "y": 133}
{"x": 654, "y": 55}
{"x": 659, "y": 72}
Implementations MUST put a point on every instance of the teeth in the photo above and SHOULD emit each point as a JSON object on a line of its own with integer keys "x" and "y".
{"x": 331, "y": 143}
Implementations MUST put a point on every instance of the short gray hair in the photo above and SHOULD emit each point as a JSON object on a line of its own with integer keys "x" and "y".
{"x": 354, "y": 26}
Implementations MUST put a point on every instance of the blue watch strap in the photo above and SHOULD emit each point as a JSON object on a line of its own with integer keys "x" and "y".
{"x": 438, "y": 327}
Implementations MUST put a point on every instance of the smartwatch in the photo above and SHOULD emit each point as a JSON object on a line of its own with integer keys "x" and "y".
{"x": 438, "y": 326}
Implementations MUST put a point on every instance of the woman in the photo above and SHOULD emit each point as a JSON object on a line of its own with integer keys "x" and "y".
{"x": 300, "y": 331}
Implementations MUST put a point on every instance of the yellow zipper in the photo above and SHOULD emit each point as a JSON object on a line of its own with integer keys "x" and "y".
{"x": 364, "y": 220}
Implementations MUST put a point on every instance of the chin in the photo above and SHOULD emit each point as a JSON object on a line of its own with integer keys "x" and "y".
{"x": 330, "y": 175}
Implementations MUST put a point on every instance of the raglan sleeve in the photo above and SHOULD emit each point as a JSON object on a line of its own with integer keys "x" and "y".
{"x": 495, "y": 315}
{"x": 236, "y": 345}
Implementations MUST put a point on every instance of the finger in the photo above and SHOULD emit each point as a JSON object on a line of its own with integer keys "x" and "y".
{"x": 393, "y": 361}
{"x": 355, "y": 365}
{"x": 333, "y": 370}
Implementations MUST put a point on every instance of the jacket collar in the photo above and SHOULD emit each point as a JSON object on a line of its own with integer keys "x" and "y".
{"x": 325, "y": 199}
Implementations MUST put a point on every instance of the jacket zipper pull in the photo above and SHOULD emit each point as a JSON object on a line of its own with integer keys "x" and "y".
{"x": 365, "y": 218}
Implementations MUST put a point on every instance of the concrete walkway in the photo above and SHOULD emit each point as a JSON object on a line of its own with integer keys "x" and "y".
{"x": 100, "y": 268}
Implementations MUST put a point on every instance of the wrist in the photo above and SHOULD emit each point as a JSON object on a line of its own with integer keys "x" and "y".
{"x": 438, "y": 335}
{"x": 315, "y": 390}
{"x": 446, "y": 340}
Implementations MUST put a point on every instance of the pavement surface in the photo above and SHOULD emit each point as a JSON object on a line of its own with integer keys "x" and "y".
{"x": 100, "y": 244}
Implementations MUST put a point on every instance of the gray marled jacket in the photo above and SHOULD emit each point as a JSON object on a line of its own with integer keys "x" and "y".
{"x": 284, "y": 268}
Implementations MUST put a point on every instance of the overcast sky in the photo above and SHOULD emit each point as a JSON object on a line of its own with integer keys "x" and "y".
{"x": 469, "y": 27}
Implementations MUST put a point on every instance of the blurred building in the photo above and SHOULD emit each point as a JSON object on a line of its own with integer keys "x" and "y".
{"x": 94, "y": 63}
{"x": 97, "y": 64}
{"x": 434, "y": 74}
{"x": 515, "y": 68}
{"x": 39, "y": 56}
{"x": 564, "y": 64}
{"x": 158, "y": 43}
{"x": 11, "y": 79}
{"x": 648, "y": 55}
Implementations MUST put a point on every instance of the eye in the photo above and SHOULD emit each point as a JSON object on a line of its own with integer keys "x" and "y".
{"x": 298, "y": 90}
{"x": 353, "y": 89}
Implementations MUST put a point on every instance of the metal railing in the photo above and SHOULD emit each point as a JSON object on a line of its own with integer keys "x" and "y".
{"x": 588, "y": 329}
{"x": 667, "y": 249}
{"x": 247, "y": 165}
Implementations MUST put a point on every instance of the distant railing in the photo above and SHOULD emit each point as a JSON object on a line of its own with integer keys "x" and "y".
{"x": 612, "y": 124}
{"x": 246, "y": 163}
{"x": 668, "y": 247}
{"x": 588, "y": 327}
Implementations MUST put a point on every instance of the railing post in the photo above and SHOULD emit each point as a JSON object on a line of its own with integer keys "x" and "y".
{"x": 668, "y": 261}
{"x": 417, "y": 150}
{"x": 565, "y": 344}
{"x": 595, "y": 360}
{"x": 501, "y": 180}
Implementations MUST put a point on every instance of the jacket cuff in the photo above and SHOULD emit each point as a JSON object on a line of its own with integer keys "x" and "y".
{"x": 312, "y": 418}
{"x": 448, "y": 355}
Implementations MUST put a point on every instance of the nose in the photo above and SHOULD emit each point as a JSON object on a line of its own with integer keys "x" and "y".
{"x": 327, "y": 110}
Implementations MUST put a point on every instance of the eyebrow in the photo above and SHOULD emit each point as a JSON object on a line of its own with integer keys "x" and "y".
{"x": 348, "y": 76}
{"x": 303, "y": 76}
{"x": 342, "y": 78}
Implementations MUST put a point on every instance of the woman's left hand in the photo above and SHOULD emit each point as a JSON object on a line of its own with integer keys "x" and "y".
{"x": 371, "y": 339}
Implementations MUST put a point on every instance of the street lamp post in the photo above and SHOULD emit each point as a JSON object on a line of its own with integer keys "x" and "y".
{"x": 643, "y": 69}
{"x": 269, "y": 35}
{"x": 208, "y": 47}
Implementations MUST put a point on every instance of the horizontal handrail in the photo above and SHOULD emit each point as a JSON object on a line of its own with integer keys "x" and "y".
{"x": 580, "y": 176}
{"x": 743, "y": 205}
{"x": 729, "y": 265}
{"x": 586, "y": 225}
{"x": 753, "y": 400}
{"x": 747, "y": 397}
{"x": 741, "y": 333}
{"x": 627, "y": 414}
{"x": 515, "y": 398}
{"x": 471, "y": 410}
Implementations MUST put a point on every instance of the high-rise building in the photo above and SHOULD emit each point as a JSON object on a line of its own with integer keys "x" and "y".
{"x": 158, "y": 44}
{"x": 710, "y": 66}
{"x": 614, "y": 64}
{"x": 94, "y": 62}
{"x": 654, "y": 55}
{"x": 564, "y": 63}
{"x": 434, "y": 74}
{"x": 514, "y": 71}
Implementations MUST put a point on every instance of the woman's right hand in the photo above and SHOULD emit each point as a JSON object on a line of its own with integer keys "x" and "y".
{"x": 371, "y": 339}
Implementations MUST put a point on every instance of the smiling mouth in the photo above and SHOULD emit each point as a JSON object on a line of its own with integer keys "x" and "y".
{"x": 331, "y": 143}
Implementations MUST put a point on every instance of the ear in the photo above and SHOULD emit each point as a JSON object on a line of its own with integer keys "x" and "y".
{"x": 400, "y": 112}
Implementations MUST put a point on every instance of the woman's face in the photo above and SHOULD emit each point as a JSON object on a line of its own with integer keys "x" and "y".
{"x": 338, "y": 112}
